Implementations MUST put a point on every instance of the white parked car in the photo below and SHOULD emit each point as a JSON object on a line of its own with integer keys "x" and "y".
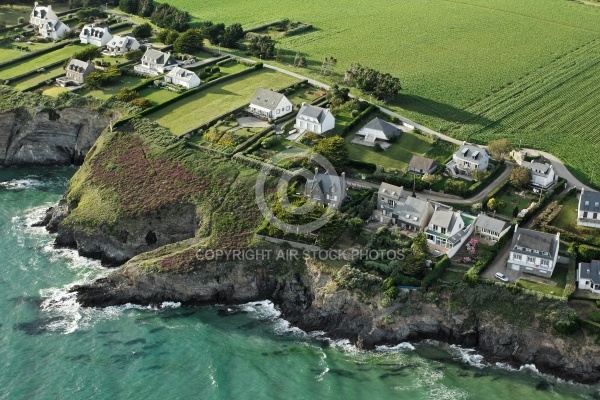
{"x": 501, "y": 276}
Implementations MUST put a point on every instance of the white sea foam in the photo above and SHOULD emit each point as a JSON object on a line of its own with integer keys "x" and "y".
{"x": 19, "y": 184}
{"x": 266, "y": 310}
{"x": 469, "y": 356}
{"x": 398, "y": 347}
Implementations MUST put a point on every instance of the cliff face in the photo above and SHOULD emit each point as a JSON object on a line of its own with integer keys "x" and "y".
{"x": 48, "y": 137}
{"x": 311, "y": 301}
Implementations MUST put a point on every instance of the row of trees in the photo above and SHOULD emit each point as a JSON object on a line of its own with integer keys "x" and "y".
{"x": 191, "y": 40}
{"x": 163, "y": 15}
{"x": 368, "y": 80}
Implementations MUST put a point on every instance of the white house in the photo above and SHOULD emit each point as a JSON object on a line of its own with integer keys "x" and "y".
{"x": 47, "y": 23}
{"x": 389, "y": 198}
{"x": 96, "y": 35}
{"x": 542, "y": 174}
{"x": 314, "y": 119}
{"x": 182, "y": 77}
{"x": 448, "y": 230}
{"x": 378, "y": 129}
{"x": 588, "y": 276}
{"x": 269, "y": 104}
{"x": 588, "y": 211}
{"x": 326, "y": 190}
{"x": 491, "y": 229}
{"x": 119, "y": 45}
{"x": 467, "y": 159}
{"x": 533, "y": 252}
{"x": 155, "y": 62}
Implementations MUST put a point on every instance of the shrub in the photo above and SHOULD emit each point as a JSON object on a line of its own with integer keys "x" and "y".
{"x": 437, "y": 271}
{"x": 352, "y": 278}
{"x": 595, "y": 316}
{"x": 142, "y": 102}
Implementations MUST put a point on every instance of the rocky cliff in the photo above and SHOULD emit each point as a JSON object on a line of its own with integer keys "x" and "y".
{"x": 47, "y": 136}
{"x": 310, "y": 299}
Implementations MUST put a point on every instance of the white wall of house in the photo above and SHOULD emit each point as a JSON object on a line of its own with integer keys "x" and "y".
{"x": 543, "y": 180}
{"x": 468, "y": 163}
{"x": 372, "y": 133}
{"x": 93, "y": 40}
{"x": 193, "y": 82}
{"x": 532, "y": 264}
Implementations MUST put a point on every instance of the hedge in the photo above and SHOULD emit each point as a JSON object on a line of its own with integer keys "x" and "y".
{"x": 436, "y": 272}
{"x": 362, "y": 165}
{"x": 559, "y": 187}
{"x": 256, "y": 164}
{"x": 472, "y": 275}
{"x": 571, "y": 285}
{"x": 263, "y": 26}
{"x": 359, "y": 118}
{"x": 211, "y": 62}
{"x": 33, "y": 54}
{"x": 299, "y": 29}
{"x": 33, "y": 72}
{"x": 479, "y": 186}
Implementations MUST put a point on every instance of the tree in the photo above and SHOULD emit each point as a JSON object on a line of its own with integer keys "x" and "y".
{"x": 145, "y": 8}
{"x": 368, "y": 80}
{"x": 476, "y": 208}
{"x": 328, "y": 64}
{"x": 337, "y": 95}
{"x": 167, "y": 16}
{"x": 127, "y": 95}
{"x": 419, "y": 244}
{"x": 413, "y": 264}
{"x": 171, "y": 37}
{"x": 355, "y": 226}
{"x": 520, "y": 177}
{"x": 162, "y": 35}
{"x": 88, "y": 53}
{"x": 189, "y": 42}
{"x": 142, "y": 102}
{"x": 214, "y": 32}
{"x": 333, "y": 149}
{"x": 129, "y": 6}
{"x": 232, "y": 35}
{"x": 515, "y": 212}
{"x": 299, "y": 61}
{"x": 134, "y": 55}
{"x": 491, "y": 204}
{"x": 499, "y": 148}
{"x": 261, "y": 46}
{"x": 501, "y": 204}
{"x": 143, "y": 31}
{"x": 479, "y": 174}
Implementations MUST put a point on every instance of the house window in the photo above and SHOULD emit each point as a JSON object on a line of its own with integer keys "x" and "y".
{"x": 530, "y": 260}
{"x": 287, "y": 108}
{"x": 595, "y": 216}
{"x": 585, "y": 214}
{"x": 391, "y": 203}
{"x": 278, "y": 111}
{"x": 517, "y": 257}
{"x": 435, "y": 227}
{"x": 443, "y": 230}
{"x": 545, "y": 263}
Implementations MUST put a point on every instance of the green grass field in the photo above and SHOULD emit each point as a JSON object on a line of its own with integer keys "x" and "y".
{"x": 559, "y": 276}
{"x": 451, "y": 56}
{"x": 10, "y": 13}
{"x": 205, "y": 105}
{"x": 109, "y": 91}
{"x": 39, "y": 61}
{"x": 157, "y": 96}
{"x": 39, "y": 77}
{"x": 511, "y": 200}
{"x": 52, "y": 91}
{"x": 567, "y": 217}
{"x": 8, "y": 52}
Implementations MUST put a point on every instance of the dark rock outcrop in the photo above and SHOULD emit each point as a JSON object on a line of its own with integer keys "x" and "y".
{"x": 49, "y": 137}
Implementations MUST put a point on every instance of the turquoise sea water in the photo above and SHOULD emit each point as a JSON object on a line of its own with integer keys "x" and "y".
{"x": 52, "y": 349}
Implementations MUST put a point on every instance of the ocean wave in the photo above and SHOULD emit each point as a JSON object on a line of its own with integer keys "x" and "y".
{"x": 398, "y": 347}
{"x": 469, "y": 356}
{"x": 20, "y": 184}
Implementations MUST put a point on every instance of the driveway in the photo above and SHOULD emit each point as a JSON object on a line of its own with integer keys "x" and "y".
{"x": 499, "y": 265}
{"x": 251, "y": 122}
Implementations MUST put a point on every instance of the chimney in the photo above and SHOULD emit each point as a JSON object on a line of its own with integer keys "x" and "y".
{"x": 343, "y": 185}
{"x": 49, "y": 7}
{"x": 303, "y": 104}
{"x": 316, "y": 172}
{"x": 35, "y": 4}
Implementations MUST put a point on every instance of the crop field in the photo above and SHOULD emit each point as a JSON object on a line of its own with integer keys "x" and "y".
{"x": 39, "y": 61}
{"x": 38, "y": 78}
{"x": 205, "y": 105}
{"x": 449, "y": 55}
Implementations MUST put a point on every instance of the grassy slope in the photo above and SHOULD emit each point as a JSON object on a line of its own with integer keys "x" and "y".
{"x": 138, "y": 169}
{"x": 39, "y": 61}
{"x": 450, "y": 55}
{"x": 39, "y": 77}
{"x": 201, "y": 107}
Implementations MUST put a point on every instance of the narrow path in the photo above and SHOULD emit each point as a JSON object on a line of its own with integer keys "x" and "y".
{"x": 560, "y": 169}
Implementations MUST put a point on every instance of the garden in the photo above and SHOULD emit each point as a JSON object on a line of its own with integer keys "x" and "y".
{"x": 37, "y": 62}
{"x": 559, "y": 278}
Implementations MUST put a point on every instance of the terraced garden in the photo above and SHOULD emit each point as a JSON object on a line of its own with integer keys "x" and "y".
{"x": 38, "y": 78}
{"x": 199, "y": 108}
{"x": 39, "y": 61}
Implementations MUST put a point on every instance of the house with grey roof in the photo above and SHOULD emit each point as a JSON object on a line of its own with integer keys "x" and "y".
{"x": 76, "y": 72}
{"x": 588, "y": 276}
{"x": 155, "y": 62}
{"x": 588, "y": 211}
{"x": 490, "y": 229}
{"x": 468, "y": 158}
{"x": 422, "y": 165}
{"x": 325, "y": 189}
{"x": 542, "y": 173}
{"x": 46, "y": 22}
{"x": 448, "y": 230}
{"x": 95, "y": 35}
{"x": 389, "y": 198}
{"x": 378, "y": 129}
{"x": 314, "y": 119}
{"x": 414, "y": 214}
{"x": 121, "y": 44}
{"x": 533, "y": 252}
{"x": 183, "y": 77}
{"x": 269, "y": 104}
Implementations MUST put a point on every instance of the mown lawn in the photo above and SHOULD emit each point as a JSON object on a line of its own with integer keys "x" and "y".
{"x": 559, "y": 276}
{"x": 567, "y": 218}
{"x": 7, "y": 52}
{"x": 111, "y": 90}
{"x": 456, "y": 61}
{"x": 205, "y": 105}
{"x": 39, "y": 61}
{"x": 158, "y": 96}
{"x": 52, "y": 91}
{"x": 38, "y": 78}
{"x": 511, "y": 200}
{"x": 397, "y": 156}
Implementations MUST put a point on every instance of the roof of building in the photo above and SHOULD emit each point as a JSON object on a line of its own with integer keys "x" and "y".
{"x": 380, "y": 125}
{"x": 158, "y": 57}
{"x": 484, "y": 221}
{"x": 182, "y": 74}
{"x": 471, "y": 151}
{"x": 267, "y": 98}
{"x": 43, "y": 11}
{"x": 121, "y": 40}
{"x": 589, "y": 201}
{"x": 94, "y": 31}
{"x": 76, "y": 65}
{"x": 413, "y": 210}
{"x": 534, "y": 240}
{"x": 391, "y": 190}
{"x": 590, "y": 271}
{"x": 313, "y": 112}
{"x": 537, "y": 168}
{"x": 443, "y": 218}
{"x": 325, "y": 183}
{"x": 421, "y": 163}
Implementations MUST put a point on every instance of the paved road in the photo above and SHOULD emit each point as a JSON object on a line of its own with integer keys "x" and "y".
{"x": 559, "y": 167}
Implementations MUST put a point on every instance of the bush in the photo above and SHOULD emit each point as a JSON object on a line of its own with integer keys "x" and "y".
{"x": 142, "y": 102}
{"x": 595, "y": 316}
{"x": 437, "y": 271}
{"x": 352, "y": 278}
